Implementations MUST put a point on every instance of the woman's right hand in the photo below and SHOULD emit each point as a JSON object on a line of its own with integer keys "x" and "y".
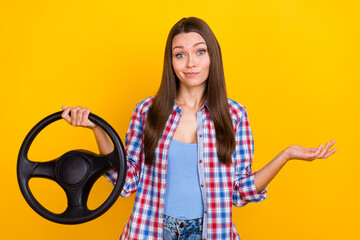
{"x": 79, "y": 117}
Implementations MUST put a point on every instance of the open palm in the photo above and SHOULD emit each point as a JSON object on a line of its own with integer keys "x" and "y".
{"x": 309, "y": 154}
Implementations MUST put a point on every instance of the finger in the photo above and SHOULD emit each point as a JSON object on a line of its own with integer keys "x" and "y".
{"x": 73, "y": 116}
{"x": 329, "y": 145}
{"x": 315, "y": 154}
{"x": 332, "y": 143}
{"x": 80, "y": 116}
{"x": 86, "y": 117}
{"x": 319, "y": 149}
{"x": 65, "y": 115}
{"x": 326, "y": 148}
{"x": 331, "y": 152}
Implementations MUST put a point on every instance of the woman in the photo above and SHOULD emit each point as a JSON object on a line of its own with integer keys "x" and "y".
{"x": 190, "y": 148}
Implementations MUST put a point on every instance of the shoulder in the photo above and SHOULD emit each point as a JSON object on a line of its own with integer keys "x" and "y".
{"x": 237, "y": 110}
{"x": 144, "y": 105}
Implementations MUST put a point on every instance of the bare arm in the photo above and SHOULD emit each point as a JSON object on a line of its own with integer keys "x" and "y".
{"x": 79, "y": 118}
{"x": 104, "y": 143}
{"x": 267, "y": 173}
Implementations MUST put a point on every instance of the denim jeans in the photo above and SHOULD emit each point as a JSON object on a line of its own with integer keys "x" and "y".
{"x": 181, "y": 229}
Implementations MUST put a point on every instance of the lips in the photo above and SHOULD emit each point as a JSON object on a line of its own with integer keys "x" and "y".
{"x": 191, "y": 74}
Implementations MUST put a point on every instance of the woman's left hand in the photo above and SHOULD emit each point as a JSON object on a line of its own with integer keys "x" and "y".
{"x": 309, "y": 154}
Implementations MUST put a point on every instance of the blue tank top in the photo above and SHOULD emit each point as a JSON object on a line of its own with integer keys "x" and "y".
{"x": 183, "y": 195}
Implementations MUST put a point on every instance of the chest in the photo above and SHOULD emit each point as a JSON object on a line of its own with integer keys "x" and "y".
{"x": 187, "y": 127}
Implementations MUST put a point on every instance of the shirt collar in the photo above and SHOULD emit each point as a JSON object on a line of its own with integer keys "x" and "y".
{"x": 204, "y": 105}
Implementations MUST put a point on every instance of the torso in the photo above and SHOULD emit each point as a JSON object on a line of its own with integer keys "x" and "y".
{"x": 186, "y": 130}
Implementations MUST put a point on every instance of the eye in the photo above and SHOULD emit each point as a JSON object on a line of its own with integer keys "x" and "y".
{"x": 180, "y": 55}
{"x": 201, "y": 51}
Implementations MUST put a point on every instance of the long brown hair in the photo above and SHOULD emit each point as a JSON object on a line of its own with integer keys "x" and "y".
{"x": 218, "y": 106}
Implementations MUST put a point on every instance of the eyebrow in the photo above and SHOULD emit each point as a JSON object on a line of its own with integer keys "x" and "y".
{"x": 193, "y": 46}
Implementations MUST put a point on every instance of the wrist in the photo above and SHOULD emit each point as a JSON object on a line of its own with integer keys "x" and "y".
{"x": 286, "y": 155}
{"x": 96, "y": 128}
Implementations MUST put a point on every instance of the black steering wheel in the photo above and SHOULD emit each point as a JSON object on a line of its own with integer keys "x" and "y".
{"x": 75, "y": 171}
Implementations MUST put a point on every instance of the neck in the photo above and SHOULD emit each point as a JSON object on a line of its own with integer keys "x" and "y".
{"x": 191, "y": 97}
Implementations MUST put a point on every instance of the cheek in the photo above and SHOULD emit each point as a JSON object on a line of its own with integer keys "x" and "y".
{"x": 176, "y": 70}
{"x": 176, "y": 67}
{"x": 207, "y": 66}
{"x": 206, "y": 62}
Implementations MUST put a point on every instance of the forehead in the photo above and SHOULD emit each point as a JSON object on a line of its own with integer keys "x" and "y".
{"x": 187, "y": 39}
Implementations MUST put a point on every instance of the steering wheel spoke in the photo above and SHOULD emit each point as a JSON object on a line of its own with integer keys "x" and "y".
{"x": 77, "y": 196}
{"x": 45, "y": 170}
{"x": 75, "y": 213}
{"x": 101, "y": 163}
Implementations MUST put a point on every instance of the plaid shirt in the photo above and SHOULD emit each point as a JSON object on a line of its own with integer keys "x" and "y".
{"x": 222, "y": 185}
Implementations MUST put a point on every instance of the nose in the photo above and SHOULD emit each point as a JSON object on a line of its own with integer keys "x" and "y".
{"x": 191, "y": 61}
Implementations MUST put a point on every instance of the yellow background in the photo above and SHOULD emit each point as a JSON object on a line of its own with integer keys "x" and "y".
{"x": 293, "y": 63}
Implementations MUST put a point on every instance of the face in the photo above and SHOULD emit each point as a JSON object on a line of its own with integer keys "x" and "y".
{"x": 190, "y": 59}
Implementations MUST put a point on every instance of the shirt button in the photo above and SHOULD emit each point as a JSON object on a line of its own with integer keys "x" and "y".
{"x": 202, "y": 185}
{"x": 200, "y": 135}
{"x": 200, "y": 161}
{"x": 205, "y": 212}
{"x": 181, "y": 225}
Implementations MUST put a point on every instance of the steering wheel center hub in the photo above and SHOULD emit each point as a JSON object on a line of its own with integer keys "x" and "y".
{"x": 72, "y": 169}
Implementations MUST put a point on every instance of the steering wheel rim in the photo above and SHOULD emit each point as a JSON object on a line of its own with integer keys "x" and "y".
{"x": 91, "y": 167}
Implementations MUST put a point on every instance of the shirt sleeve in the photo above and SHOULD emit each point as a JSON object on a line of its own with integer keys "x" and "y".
{"x": 133, "y": 143}
{"x": 244, "y": 184}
